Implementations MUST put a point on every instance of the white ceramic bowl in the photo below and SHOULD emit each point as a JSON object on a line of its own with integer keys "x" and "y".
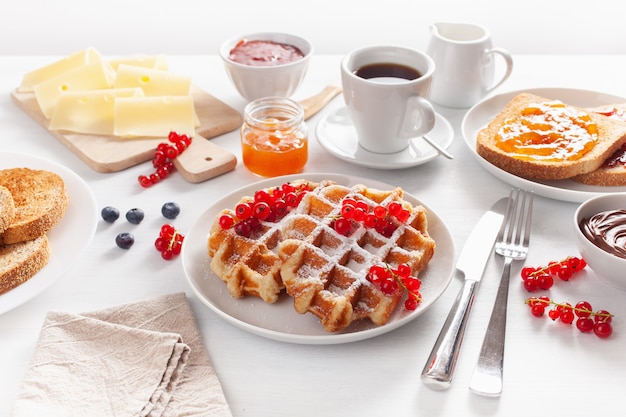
{"x": 255, "y": 82}
{"x": 610, "y": 268}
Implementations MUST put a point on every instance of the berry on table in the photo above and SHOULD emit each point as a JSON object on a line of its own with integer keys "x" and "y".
{"x": 586, "y": 320}
{"x": 110, "y": 214}
{"x": 135, "y": 215}
{"x": 170, "y": 210}
{"x": 542, "y": 278}
{"x": 169, "y": 242}
{"x": 125, "y": 240}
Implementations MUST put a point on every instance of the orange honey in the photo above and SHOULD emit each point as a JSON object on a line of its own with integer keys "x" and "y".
{"x": 549, "y": 132}
{"x": 274, "y": 137}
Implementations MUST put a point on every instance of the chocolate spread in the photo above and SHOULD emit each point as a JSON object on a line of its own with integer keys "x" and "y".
{"x": 607, "y": 230}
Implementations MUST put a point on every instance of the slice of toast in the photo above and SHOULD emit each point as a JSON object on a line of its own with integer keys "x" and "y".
{"x": 40, "y": 199}
{"x": 21, "y": 261}
{"x": 7, "y": 209}
{"x": 611, "y": 135}
{"x": 613, "y": 170}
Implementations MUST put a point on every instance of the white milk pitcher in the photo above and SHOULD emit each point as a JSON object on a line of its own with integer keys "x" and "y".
{"x": 465, "y": 64}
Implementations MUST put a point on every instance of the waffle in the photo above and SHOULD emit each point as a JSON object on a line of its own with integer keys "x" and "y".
{"x": 325, "y": 272}
{"x": 249, "y": 266}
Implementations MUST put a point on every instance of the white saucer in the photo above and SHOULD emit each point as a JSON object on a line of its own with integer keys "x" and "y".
{"x": 337, "y": 136}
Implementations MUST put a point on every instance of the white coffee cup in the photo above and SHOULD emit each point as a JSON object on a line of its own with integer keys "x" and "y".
{"x": 387, "y": 110}
{"x": 465, "y": 60}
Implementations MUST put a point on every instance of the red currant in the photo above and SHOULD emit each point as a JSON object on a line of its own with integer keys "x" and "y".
{"x": 226, "y": 221}
{"x": 603, "y": 329}
{"x": 389, "y": 286}
{"x": 343, "y": 226}
{"x": 261, "y": 210}
{"x": 410, "y": 303}
{"x": 279, "y": 207}
{"x": 243, "y": 211}
{"x": 545, "y": 275}
{"x": 404, "y": 215}
{"x": 380, "y": 212}
{"x": 162, "y": 160}
{"x": 394, "y": 208}
{"x": 586, "y": 319}
{"x": 537, "y": 310}
{"x": 584, "y": 324}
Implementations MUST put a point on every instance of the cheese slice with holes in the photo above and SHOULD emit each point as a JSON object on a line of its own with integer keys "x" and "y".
{"x": 146, "y": 61}
{"x": 154, "y": 116}
{"x": 70, "y": 62}
{"x": 153, "y": 82}
{"x": 93, "y": 76}
{"x": 89, "y": 112}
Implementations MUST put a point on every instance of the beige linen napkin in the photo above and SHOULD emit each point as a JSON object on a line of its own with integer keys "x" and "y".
{"x": 140, "y": 359}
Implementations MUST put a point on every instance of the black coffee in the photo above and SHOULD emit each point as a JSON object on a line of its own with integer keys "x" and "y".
{"x": 387, "y": 70}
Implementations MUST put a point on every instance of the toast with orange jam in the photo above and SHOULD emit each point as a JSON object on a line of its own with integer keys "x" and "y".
{"x": 539, "y": 138}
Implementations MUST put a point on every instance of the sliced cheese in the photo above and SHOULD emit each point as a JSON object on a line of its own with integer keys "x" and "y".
{"x": 154, "y": 82}
{"x": 70, "y": 62}
{"x": 154, "y": 116}
{"x": 89, "y": 112}
{"x": 93, "y": 76}
{"x": 146, "y": 61}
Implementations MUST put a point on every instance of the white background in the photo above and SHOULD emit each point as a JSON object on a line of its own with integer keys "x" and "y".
{"x": 58, "y": 27}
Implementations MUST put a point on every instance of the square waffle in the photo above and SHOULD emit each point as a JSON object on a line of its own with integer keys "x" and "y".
{"x": 325, "y": 271}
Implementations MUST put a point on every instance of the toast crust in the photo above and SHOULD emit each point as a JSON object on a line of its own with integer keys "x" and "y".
{"x": 19, "y": 262}
{"x": 40, "y": 199}
{"x": 7, "y": 209}
{"x": 611, "y": 135}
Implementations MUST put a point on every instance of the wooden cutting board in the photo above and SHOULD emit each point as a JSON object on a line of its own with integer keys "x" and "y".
{"x": 203, "y": 159}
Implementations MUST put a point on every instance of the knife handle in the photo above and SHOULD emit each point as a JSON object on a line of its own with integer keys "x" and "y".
{"x": 439, "y": 368}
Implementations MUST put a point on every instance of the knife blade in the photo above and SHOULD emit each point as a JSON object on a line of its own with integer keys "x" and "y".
{"x": 439, "y": 368}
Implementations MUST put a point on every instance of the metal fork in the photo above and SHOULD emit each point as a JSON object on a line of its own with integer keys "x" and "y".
{"x": 512, "y": 244}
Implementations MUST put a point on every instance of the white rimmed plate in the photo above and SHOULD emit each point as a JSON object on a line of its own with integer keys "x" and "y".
{"x": 280, "y": 321}
{"x": 336, "y": 134}
{"x": 566, "y": 190}
{"x": 68, "y": 239}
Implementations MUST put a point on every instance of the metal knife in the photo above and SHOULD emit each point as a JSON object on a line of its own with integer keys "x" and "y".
{"x": 439, "y": 368}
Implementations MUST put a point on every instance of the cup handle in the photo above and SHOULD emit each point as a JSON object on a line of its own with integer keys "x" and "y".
{"x": 419, "y": 118}
{"x": 508, "y": 61}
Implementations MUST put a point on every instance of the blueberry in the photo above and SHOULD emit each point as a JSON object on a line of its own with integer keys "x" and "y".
{"x": 170, "y": 210}
{"x": 125, "y": 240}
{"x": 110, "y": 214}
{"x": 134, "y": 215}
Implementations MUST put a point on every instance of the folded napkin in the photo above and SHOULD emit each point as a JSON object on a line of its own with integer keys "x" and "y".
{"x": 140, "y": 359}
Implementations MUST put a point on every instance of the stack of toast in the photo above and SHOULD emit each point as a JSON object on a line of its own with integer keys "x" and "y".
{"x": 32, "y": 202}
{"x": 592, "y": 166}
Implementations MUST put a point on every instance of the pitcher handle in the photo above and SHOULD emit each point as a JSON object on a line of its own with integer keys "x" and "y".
{"x": 419, "y": 118}
{"x": 508, "y": 61}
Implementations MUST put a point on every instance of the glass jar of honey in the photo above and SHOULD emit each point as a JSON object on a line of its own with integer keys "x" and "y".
{"x": 274, "y": 137}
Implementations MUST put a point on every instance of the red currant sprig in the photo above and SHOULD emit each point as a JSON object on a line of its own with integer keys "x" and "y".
{"x": 542, "y": 278}
{"x": 169, "y": 242}
{"x": 587, "y": 320}
{"x": 163, "y": 159}
{"x": 378, "y": 217}
{"x": 390, "y": 280}
{"x": 268, "y": 205}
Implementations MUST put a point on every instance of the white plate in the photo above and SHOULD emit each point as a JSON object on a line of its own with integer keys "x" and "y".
{"x": 68, "y": 239}
{"x": 566, "y": 190}
{"x": 280, "y": 321}
{"x": 337, "y": 136}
